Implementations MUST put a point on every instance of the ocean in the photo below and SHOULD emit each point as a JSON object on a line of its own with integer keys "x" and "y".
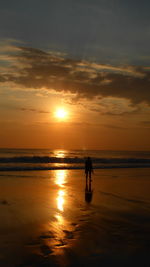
{"x": 46, "y": 159}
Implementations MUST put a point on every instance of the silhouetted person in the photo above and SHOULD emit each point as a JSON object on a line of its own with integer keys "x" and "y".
{"x": 88, "y": 172}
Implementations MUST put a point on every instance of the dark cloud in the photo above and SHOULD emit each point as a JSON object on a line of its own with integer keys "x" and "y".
{"x": 116, "y": 107}
{"x": 107, "y": 30}
{"x": 36, "y": 69}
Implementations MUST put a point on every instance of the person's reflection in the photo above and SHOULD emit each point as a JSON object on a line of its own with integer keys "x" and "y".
{"x": 88, "y": 191}
{"x": 88, "y": 187}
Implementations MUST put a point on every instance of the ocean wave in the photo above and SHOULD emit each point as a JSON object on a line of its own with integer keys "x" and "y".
{"x": 69, "y": 160}
{"x": 50, "y": 162}
{"x": 69, "y": 167}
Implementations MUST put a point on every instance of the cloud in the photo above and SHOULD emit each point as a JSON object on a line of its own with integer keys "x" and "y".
{"x": 24, "y": 109}
{"x": 112, "y": 106}
{"x": 145, "y": 124}
{"x": 114, "y": 127}
{"x": 33, "y": 110}
{"x": 32, "y": 68}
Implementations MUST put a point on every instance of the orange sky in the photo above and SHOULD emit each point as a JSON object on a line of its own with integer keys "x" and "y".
{"x": 90, "y": 58}
{"x": 81, "y": 129}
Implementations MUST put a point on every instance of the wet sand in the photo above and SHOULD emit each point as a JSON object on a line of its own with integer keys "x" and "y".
{"x": 46, "y": 220}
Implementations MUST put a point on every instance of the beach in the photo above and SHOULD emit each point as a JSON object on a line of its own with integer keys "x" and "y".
{"x": 45, "y": 219}
{"x": 74, "y": 103}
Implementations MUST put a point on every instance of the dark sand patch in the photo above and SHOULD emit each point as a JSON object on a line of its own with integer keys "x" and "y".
{"x": 4, "y": 202}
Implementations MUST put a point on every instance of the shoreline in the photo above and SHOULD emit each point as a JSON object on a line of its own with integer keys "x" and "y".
{"x": 11, "y": 169}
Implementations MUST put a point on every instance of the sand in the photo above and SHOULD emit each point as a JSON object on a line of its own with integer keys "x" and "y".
{"x": 45, "y": 220}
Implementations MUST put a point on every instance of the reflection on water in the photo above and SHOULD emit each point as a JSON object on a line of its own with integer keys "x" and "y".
{"x": 60, "y": 226}
{"x": 59, "y": 219}
{"x": 59, "y": 153}
{"x": 60, "y": 200}
{"x": 60, "y": 180}
{"x": 88, "y": 191}
{"x": 60, "y": 177}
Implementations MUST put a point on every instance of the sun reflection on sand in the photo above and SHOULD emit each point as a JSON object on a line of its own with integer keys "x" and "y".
{"x": 60, "y": 225}
{"x": 59, "y": 218}
{"x": 60, "y": 200}
{"x": 60, "y": 177}
{"x": 60, "y": 180}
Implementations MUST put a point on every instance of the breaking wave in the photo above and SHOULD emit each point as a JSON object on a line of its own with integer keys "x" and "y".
{"x": 17, "y": 163}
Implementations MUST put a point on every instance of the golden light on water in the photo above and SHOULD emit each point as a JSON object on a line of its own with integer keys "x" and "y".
{"x": 60, "y": 177}
{"x": 60, "y": 180}
{"x": 60, "y": 219}
{"x": 59, "y": 153}
{"x": 60, "y": 200}
{"x": 61, "y": 224}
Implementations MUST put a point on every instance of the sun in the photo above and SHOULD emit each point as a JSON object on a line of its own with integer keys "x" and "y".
{"x": 61, "y": 113}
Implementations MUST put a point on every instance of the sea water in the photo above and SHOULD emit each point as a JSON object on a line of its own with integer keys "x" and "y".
{"x": 46, "y": 159}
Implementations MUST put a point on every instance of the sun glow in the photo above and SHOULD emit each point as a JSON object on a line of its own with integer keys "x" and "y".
{"x": 61, "y": 113}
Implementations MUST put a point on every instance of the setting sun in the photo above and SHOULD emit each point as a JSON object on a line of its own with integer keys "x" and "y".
{"x": 61, "y": 113}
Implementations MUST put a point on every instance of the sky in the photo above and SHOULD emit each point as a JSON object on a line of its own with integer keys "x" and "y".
{"x": 88, "y": 57}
